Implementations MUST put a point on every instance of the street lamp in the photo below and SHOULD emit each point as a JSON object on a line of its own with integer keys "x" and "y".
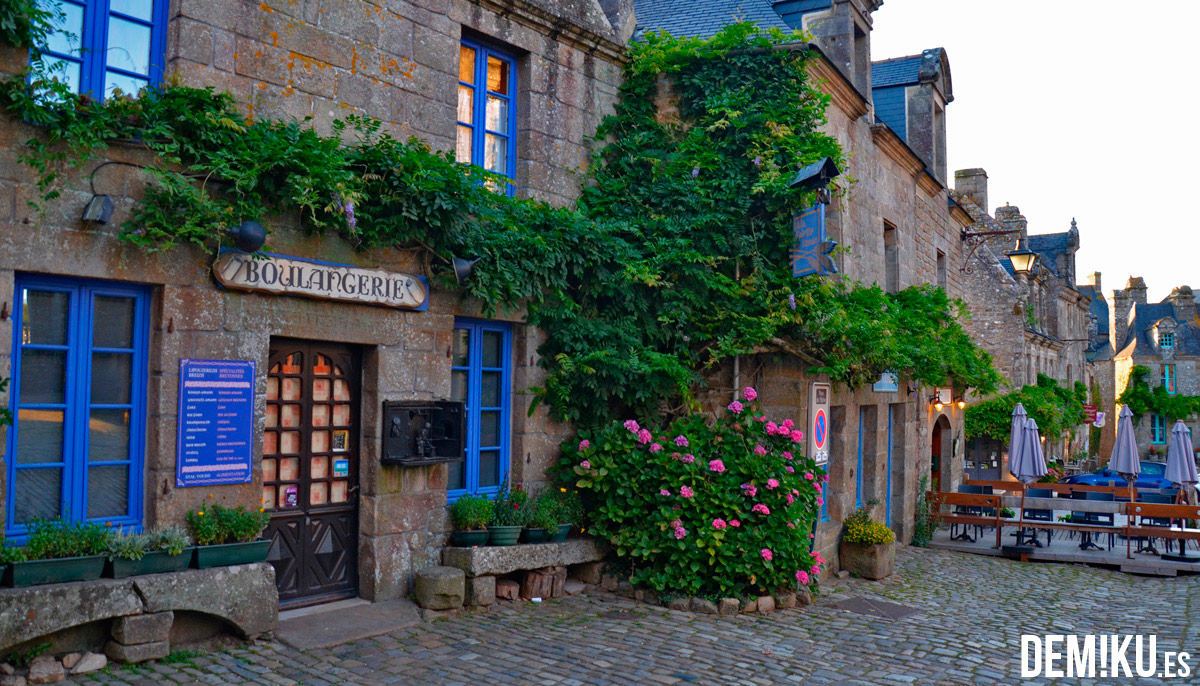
{"x": 1022, "y": 257}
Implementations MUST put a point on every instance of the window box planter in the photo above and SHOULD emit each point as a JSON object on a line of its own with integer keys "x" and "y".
{"x": 227, "y": 554}
{"x": 535, "y": 535}
{"x": 867, "y": 561}
{"x": 469, "y": 539}
{"x": 36, "y": 572}
{"x": 504, "y": 535}
{"x": 154, "y": 562}
{"x": 561, "y": 535}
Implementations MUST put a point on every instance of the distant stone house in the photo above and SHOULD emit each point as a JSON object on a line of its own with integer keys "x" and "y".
{"x": 901, "y": 228}
{"x": 98, "y": 333}
{"x": 1163, "y": 337}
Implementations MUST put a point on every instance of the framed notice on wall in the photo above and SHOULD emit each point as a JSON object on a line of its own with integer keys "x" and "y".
{"x": 216, "y": 423}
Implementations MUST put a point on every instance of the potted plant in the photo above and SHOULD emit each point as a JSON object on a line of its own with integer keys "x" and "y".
{"x": 162, "y": 550}
{"x": 508, "y": 516}
{"x": 470, "y": 515}
{"x": 868, "y": 547}
{"x": 60, "y": 551}
{"x": 570, "y": 513}
{"x": 228, "y": 536}
{"x": 543, "y": 519}
{"x": 8, "y": 555}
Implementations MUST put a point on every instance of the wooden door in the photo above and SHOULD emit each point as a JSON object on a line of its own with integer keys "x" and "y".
{"x": 935, "y": 458}
{"x": 310, "y": 469}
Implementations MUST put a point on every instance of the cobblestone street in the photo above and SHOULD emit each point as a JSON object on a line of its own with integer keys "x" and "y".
{"x": 970, "y": 612}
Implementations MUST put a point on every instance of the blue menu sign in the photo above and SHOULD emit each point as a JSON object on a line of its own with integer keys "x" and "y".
{"x": 216, "y": 423}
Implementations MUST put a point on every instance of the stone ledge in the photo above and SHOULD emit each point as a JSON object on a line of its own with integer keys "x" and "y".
{"x": 494, "y": 560}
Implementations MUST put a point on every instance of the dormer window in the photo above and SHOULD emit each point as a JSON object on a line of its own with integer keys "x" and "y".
{"x": 1166, "y": 341}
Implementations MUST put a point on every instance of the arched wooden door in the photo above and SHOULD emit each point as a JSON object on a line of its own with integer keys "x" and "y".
{"x": 310, "y": 469}
{"x": 937, "y": 445}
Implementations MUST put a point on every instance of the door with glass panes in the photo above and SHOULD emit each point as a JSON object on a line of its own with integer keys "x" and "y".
{"x": 310, "y": 469}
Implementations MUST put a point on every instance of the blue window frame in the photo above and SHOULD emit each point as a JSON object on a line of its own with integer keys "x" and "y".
{"x": 858, "y": 474}
{"x": 77, "y": 444}
{"x": 888, "y": 514}
{"x": 481, "y": 377}
{"x": 487, "y": 109}
{"x": 1158, "y": 428}
{"x": 1168, "y": 378}
{"x": 1166, "y": 341}
{"x": 102, "y": 45}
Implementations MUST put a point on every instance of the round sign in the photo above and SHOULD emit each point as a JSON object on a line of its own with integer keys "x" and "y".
{"x": 820, "y": 429}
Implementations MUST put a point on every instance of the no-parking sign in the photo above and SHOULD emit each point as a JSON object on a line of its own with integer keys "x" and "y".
{"x": 818, "y": 422}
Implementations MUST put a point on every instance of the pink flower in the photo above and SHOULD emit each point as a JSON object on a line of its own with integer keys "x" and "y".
{"x": 791, "y": 525}
{"x": 644, "y": 437}
{"x": 686, "y": 491}
{"x": 663, "y": 491}
{"x": 820, "y": 500}
{"x": 718, "y": 523}
{"x": 585, "y": 444}
{"x": 716, "y": 466}
{"x": 654, "y": 447}
{"x": 749, "y": 393}
{"x": 789, "y": 469}
{"x": 761, "y": 419}
{"x": 631, "y": 425}
{"x": 818, "y": 488}
{"x": 688, "y": 459}
{"x": 820, "y": 560}
{"x": 766, "y": 554}
{"x": 734, "y": 523}
{"x": 761, "y": 509}
{"x": 825, "y": 478}
{"x": 772, "y": 427}
{"x": 788, "y": 424}
{"x": 816, "y": 569}
{"x": 808, "y": 475}
{"x": 811, "y": 536}
{"x": 791, "y": 498}
{"x": 675, "y": 523}
{"x": 759, "y": 450}
{"x": 735, "y": 407}
{"x": 802, "y": 577}
{"x": 772, "y": 484}
{"x": 797, "y": 436}
{"x": 681, "y": 441}
{"x": 585, "y": 464}
{"x": 787, "y": 455}
{"x": 750, "y": 490}
{"x": 680, "y": 532}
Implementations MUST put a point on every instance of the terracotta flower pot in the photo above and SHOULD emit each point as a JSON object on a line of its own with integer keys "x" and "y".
{"x": 867, "y": 561}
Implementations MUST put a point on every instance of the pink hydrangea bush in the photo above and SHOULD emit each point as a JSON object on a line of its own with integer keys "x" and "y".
{"x": 732, "y": 517}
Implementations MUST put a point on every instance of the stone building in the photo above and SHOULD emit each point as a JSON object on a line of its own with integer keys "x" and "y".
{"x": 1163, "y": 337}
{"x": 901, "y": 228}
{"x": 91, "y": 321}
{"x": 1032, "y": 323}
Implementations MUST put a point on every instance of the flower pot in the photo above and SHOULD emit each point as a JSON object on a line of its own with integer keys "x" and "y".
{"x": 154, "y": 562}
{"x": 34, "y": 572}
{"x": 226, "y": 554}
{"x": 504, "y": 535}
{"x": 535, "y": 535}
{"x": 469, "y": 539}
{"x": 561, "y": 534}
{"x": 867, "y": 561}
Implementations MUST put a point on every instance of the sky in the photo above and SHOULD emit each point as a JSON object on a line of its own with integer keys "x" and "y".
{"x": 1075, "y": 109}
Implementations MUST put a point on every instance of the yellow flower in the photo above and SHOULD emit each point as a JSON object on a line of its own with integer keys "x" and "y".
{"x": 201, "y": 513}
{"x": 563, "y": 490}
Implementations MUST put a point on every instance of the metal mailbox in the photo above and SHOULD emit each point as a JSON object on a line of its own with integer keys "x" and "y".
{"x": 422, "y": 432}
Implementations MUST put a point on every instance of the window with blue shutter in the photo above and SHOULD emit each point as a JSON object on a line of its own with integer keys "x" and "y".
{"x": 1168, "y": 378}
{"x": 1158, "y": 429}
{"x": 481, "y": 377}
{"x": 102, "y": 46}
{"x": 487, "y": 109}
{"x": 79, "y": 364}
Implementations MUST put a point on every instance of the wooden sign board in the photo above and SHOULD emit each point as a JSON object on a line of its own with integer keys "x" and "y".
{"x": 295, "y": 276}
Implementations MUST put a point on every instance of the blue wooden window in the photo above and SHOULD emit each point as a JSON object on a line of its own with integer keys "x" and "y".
{"x": 888, "y": 514}
{"x": 481, "y": 377}
{"x": 858, "y": 474}
{"x": 104, "y": 45}
{"x": 76, "y": 447}
{"x": 1168, "y": 378}
{"x": 1158, "y": 428}
{"x": 487, "y": 109}
{"x": 1166, "y": 341}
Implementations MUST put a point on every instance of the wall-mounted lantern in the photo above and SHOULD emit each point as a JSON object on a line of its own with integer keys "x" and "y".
{"x": 1023, "y": 259}
{"x": 812, "y": 248}
{"x": 248, "y": 236}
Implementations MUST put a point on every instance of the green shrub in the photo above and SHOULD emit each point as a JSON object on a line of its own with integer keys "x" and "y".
{"x": 861, "y": 529}
{"x": 545, "y": 512}
{"x": 511, "y": 506}
{"x": 173, "y": 539}
{"x": 471, "y": 512}
{"x": 11, "y": 554}
{"x": 128, "y": 545}
{"x": 715, "y": 509}
{"x": 56, "y": 538}
{"x": 217, "y": 524}
{"x": 570, "y": 506}
{"x": 926, "y": 521}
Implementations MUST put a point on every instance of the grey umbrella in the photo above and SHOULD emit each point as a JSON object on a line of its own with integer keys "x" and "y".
{"x": 1016, "y": 439}
{"x": 1028, "y": 467}
{"x": 1181, "y": 471}
{"x": 1124, "y": 459}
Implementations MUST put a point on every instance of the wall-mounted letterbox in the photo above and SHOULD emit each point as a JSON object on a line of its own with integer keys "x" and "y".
{"x": 420, "y": 432}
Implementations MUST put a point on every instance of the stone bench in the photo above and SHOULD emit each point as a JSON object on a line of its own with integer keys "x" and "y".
{"x": 141, "y": 612}
{"x": 483, "y": 564}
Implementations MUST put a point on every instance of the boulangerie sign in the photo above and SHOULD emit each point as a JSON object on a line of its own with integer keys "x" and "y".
{"x": 295, "y": 276}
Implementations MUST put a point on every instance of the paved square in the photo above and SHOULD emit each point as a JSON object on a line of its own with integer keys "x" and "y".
{"x": 970, "y": 613}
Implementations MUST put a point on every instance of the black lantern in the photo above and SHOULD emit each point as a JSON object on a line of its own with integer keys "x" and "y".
{"x": 1022, "y": 258}
{"x": 816, "y": 175}
{"x": 248, "y": 236}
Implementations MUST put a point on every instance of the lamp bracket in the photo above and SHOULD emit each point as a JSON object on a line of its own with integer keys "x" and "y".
{"x": 974, "y": 239}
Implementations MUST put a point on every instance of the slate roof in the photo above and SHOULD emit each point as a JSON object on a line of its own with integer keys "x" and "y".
{"x": 1050, "y": 246}
{"x": 901, "y": 71}
{"x": 1138, "y": 339}
{"x": 1100, "y": 347}
{"x": 702, "y": 18}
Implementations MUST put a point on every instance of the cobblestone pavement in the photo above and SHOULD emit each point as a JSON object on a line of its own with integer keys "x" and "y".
{"x": 971, "y": 611}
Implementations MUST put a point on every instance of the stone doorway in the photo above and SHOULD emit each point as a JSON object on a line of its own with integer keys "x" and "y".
{"x": 310, "y": 469}
{"x": 939, "y": 444}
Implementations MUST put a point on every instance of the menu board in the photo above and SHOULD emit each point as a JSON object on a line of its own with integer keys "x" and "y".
{"x": 216, "y": 423}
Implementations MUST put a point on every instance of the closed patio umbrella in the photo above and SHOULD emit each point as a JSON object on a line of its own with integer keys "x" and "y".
{"x": 1181, "y": 471}
{"x": 1029, "y": 465}
{"x": 1016, "y": 438}
{"x": 1124, "y": 459}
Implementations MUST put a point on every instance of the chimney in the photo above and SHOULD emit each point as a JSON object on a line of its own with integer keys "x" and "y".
{"x": 843, "y": 32}
{"x": 973, "y": 184}
{"x": 1137, "y": 290}
{"x": 1119, "y": 309}
{"x": 1011, "y": 218}
{"x": 1093, "y": 280}
{"x": 1185, "y": 305}
{"x": 620, "y": 16}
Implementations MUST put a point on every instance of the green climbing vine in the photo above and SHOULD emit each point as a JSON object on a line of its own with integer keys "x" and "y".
{"x": 1056, "y": 409}
{"x": 674, "y": 259}
{"x": 1140, "y": 398}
